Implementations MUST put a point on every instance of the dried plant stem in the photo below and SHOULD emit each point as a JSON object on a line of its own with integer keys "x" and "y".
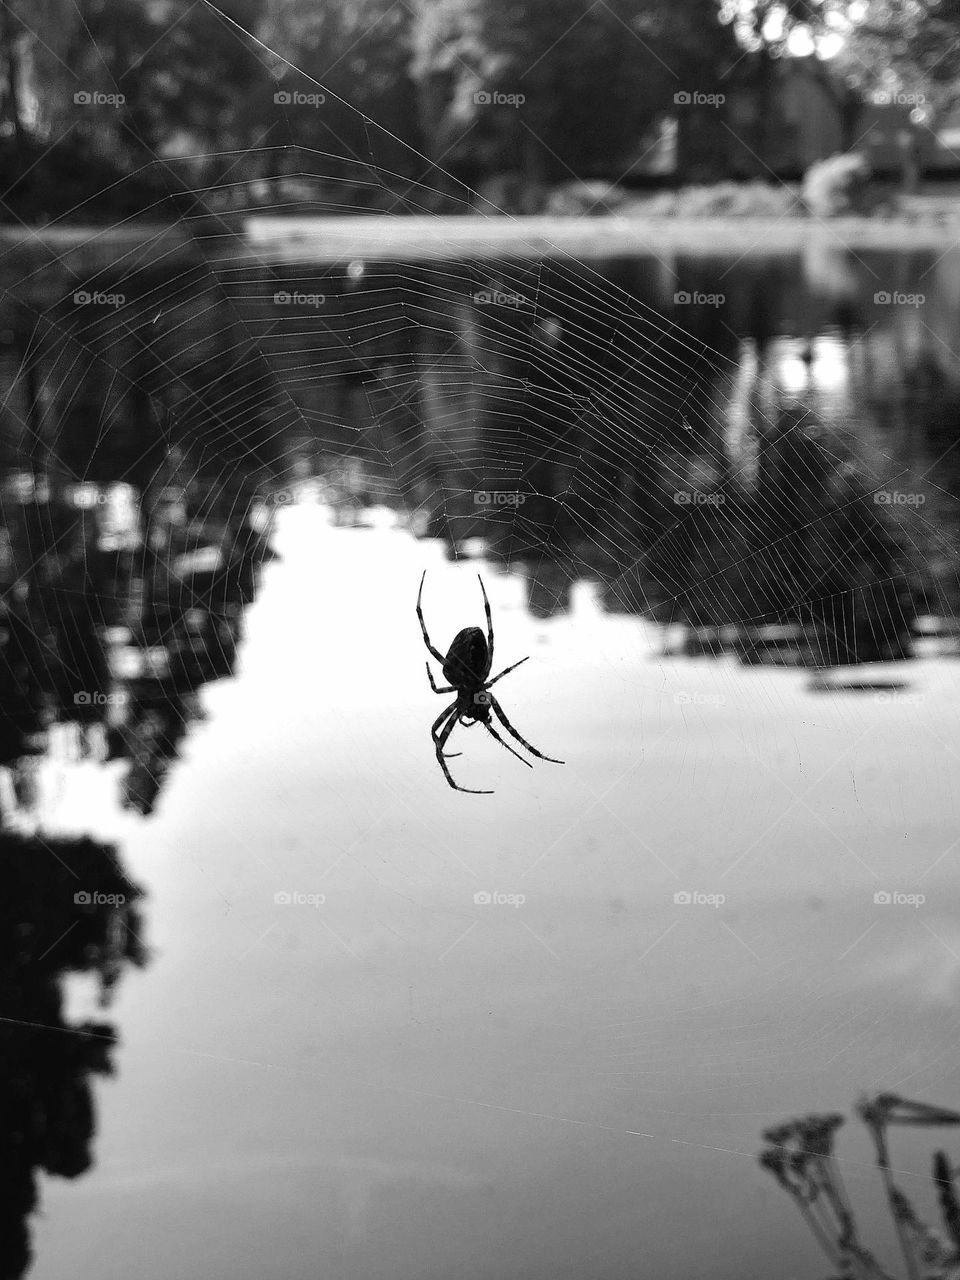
{"x": 852, "y": 1250}
{"x": 800, "y": 1156}
{"x": 821, "y": 1233}
{"x": 947, "y": 1194}
{"x": 895, "y": 1198}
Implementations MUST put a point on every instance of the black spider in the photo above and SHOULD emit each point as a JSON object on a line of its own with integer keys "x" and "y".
{"x": 467, "y": 666}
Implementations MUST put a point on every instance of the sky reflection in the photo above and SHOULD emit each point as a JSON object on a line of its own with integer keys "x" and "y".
{"x": 401, "y": 1082}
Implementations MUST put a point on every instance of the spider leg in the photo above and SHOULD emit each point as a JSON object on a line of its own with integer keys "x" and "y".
{"x": 490, "y": 729}
{"x": 506, "y": 671}
{"x": 486, "y": 605}
{"x": 434, "y": 728}
{"x": 498, "y": 711}
{"x": 423, "y": 626}
{"x": 441, "y": 743}
{"x": 446, "y": 688}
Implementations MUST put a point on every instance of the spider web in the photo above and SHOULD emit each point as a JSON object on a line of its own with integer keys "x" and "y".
{"x": 744, "y": 482}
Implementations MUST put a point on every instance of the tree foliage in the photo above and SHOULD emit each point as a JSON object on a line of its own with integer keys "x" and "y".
{"x": 911, "y": 47}
{"x": 388, "y": 98}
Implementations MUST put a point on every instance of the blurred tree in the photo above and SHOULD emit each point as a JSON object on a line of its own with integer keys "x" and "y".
{"x": 13, "y": 43}
{"x": 770, "y": 30}
{"x": 772, "y": 24}
{"x": 135, "y": 87}
{"x": 356, "y": 56}
{"x": 380, "y": 95}
{"x": 908, "y": 46}
{"x": 702, "y": 52}
{"x": 386, "y": 100}
{"x": 552, "y": 91}
{"x": 193, "y": 86}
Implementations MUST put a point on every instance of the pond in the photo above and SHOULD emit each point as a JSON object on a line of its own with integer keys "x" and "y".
{"x": 282, "y": 1002}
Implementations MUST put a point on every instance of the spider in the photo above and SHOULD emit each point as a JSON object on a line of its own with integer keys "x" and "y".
{"x": 467, "y": 666}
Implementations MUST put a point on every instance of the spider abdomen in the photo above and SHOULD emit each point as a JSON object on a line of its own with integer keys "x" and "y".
{"x": 466, "y": 660}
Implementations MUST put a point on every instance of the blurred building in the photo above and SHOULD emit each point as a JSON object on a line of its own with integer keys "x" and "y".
{"x": 944, "y": 156}
{"x": 782, "y": 115}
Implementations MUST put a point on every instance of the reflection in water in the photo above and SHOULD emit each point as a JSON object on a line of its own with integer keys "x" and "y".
{"x": 112, "y": 619}
{"x": 777, "y": 474}
{"x": 65, "y": 907}
{"x": 773, "y": 477}
{"x": 124, "y": 574}
{"x": 757, "y": 449}
{"x": 702, "y": 492}
{"x": 115, "y": 626}
{"x": 771, "y": 468}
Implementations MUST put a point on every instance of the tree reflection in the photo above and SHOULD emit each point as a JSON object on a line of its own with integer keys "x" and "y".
{"x": 118, "y": 630}
{"x": 66, "y": 907}
{"x": 770, "y": 541}
{"x": 121, "y": 596}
